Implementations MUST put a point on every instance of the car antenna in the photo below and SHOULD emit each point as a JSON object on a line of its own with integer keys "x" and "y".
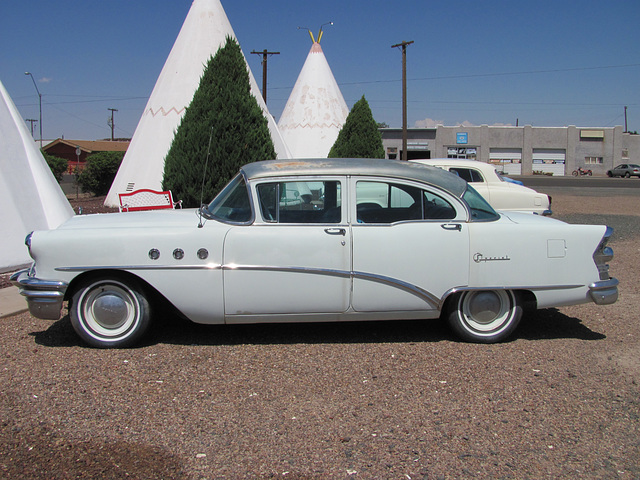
{"x": 204, "y": 175}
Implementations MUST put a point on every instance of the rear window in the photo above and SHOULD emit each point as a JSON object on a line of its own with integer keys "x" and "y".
{"x": 468, "y": 174}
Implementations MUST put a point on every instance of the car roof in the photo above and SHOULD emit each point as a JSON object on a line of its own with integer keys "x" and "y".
{"x": 456, "y": 162}
{"x": 371, "y": 167}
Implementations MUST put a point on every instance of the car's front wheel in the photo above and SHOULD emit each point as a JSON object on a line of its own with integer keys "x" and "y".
{"x": 109, "y": 312}
{"x": 484, "y": 316}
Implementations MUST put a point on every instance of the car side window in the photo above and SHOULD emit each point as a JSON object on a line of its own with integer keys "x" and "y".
{"x": 468, "y": 174}
{"x": 300, "y": 202}
{"x": 382, "y": 202}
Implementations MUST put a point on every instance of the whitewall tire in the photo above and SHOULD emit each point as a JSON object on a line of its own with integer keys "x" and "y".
{"x": 484, "y": 316}
{"x": 109, "y": 312}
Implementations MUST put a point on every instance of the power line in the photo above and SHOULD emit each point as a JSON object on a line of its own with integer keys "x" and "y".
{"x": 500, "y": 74}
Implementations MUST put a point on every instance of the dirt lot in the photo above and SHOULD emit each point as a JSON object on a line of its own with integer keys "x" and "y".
{"x": 388, "y": 400}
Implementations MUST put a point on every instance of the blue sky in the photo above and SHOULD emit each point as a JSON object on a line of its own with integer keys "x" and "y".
{"x": 544, "y": 62}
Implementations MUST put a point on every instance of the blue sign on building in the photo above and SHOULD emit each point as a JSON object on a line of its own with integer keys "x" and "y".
{"x": 462, "y": 138}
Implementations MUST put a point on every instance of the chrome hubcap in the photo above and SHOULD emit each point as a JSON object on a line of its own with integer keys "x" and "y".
{"x": 485, "y": 307}
{"x": 110, "y": 310}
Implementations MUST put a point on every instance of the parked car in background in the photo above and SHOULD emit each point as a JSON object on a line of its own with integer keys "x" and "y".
{"x": 625, "y": 170}
{"x": 510, "y": 196}
{"x": 429, "y": 246}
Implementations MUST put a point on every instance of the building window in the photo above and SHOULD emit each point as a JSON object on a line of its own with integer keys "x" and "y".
{"x": 465, "y": 153}
{"x": 593, "y": 160}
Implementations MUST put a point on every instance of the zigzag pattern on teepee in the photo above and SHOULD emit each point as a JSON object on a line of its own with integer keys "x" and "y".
{"x": 162, "y": 111}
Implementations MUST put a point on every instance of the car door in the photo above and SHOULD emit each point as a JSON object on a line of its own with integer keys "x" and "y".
{"x": 410, "y": 246}
{"x": 295, "y": 258}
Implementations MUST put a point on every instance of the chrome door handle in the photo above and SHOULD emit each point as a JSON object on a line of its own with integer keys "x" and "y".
{"x": 452, "y": 226}
{"x": 335, "y": 231}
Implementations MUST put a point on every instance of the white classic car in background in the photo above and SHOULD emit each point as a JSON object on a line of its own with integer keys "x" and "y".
{"x": 429, "y": 246}
{"x": 500, "y": 193}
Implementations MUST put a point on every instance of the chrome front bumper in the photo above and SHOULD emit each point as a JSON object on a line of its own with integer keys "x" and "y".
{"x": 604, "y": 292}
{"x": 44, "y": 297}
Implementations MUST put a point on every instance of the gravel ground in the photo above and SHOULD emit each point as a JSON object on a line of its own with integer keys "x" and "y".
{"x": 383, "y": 400}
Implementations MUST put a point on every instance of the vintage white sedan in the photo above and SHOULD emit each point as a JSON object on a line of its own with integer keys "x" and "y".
{"x": 302, "y": 241}
{"x": 500, "y": 193}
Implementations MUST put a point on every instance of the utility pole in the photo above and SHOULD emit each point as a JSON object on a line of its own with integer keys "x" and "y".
{"x": 31, "y": 121}
{"x": 39, "y": 101}
{"x": 404, "y": 96}
{"x": 625, "y": 120}
{"x": 111, "y": 122}
{"x": 264, "y": 54}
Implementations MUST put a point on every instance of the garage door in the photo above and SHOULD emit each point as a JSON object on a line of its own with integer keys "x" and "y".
{"x": 549, "y": 161}
{"x": 506, "y": 160}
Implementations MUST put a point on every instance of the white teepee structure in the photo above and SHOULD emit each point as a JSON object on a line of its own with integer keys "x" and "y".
{"x": 315, "y": 111}
{"x": 204, "y": 31}
{"x": 30, "y": 196}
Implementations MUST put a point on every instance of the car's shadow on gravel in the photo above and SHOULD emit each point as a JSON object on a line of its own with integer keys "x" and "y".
{"x": 550, "y": 323}
{"x": 536, "y": 325}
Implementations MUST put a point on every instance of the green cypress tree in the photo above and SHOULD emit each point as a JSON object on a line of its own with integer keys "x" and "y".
{"x": 359, "y": 136}
{"x": 223, "y": 108}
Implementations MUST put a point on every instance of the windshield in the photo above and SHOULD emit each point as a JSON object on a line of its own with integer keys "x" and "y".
{"x": 232, "y": 204}
{"x": 481, "y": 211}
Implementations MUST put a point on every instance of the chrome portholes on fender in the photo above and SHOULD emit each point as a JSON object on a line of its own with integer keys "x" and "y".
{"x": 484, "y": 316}
{"x": 110, "y": 312}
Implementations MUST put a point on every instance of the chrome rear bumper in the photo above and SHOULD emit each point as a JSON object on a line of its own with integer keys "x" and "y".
{"x": 44, "y": 297}
{"x": 604, "y": 292}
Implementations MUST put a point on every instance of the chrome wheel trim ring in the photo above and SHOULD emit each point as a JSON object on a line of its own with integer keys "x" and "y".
{"x": 108, "y": 310}
{"x": 486, "y": 311}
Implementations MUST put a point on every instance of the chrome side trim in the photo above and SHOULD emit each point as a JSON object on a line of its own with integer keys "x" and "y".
{"x": 392, "y": 282}
{"x": 139, "y": 267}
{"x": 311, "y": 270}
{"x": 44, "y": 297}
{"x": 400, "y": 284}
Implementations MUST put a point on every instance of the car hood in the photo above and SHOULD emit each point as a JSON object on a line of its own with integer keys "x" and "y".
{"x": 187, "y": 217}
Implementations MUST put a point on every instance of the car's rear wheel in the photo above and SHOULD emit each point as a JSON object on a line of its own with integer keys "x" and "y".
{"x": 484, "y": 316}
{"x": 627, "y": 175}
{"x": 109, "y": 312}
